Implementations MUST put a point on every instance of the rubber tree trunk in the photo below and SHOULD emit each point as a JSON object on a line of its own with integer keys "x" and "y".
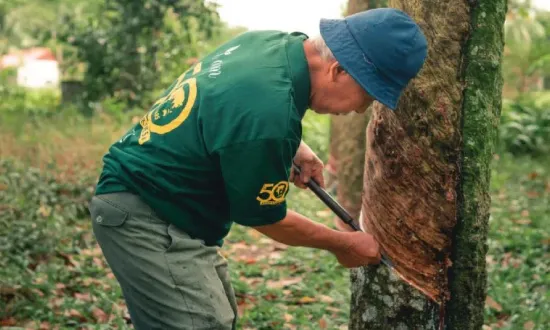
{"x": 347, "y": 142}
{"x": 426, "y": 175}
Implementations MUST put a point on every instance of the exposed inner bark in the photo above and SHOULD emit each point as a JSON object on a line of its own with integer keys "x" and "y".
{"x": 411, "y": 171}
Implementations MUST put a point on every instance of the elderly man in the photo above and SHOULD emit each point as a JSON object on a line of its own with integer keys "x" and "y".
{"x": 217, "y": 148}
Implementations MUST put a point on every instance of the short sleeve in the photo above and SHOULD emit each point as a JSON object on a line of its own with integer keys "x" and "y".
{"x": 256, "y": 179}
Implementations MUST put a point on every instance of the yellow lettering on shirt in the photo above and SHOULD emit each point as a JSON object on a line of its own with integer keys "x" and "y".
{"x": 273, "y": 194}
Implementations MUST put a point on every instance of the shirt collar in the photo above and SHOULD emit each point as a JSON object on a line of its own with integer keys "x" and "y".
{"x": 299, "y": 71}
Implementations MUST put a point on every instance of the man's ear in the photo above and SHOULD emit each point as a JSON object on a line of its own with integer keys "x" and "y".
{"x": 334, "y": 70}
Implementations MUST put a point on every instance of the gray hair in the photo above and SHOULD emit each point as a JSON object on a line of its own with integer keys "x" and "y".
{"x": 322, "y": 48}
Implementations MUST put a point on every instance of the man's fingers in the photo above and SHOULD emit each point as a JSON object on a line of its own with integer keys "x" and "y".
{"x": 305, "y": 175}
{"x": 318, "y": 176}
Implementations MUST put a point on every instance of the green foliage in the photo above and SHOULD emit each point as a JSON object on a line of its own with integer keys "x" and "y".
{"x": 30, "y": 197}
{"x": 129, "y": 44}
{"x": 315, "y": 129}
{"x": 527, "y": 48}
{"x": 37, "y": 211}
{"x": 524, "y": 128}
{"x": 16, "y": 99}
{"x": 517, "y": 261}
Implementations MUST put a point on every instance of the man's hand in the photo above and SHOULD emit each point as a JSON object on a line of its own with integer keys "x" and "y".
{"x": 360, "y": 249}
{"x": 351, "y": 249}
{"x": 310, "y": 165}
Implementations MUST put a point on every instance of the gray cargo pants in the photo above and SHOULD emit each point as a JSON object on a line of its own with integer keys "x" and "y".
{"x": 169, "y": 280}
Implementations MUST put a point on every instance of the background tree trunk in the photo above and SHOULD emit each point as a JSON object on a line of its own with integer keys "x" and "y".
{"x": 426, "y": 178}
{"x": 347, "y": 142}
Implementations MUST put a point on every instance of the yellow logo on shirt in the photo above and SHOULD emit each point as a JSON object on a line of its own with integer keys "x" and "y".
{"x": 171, "y": 110}
{"x": 273, "y": 194}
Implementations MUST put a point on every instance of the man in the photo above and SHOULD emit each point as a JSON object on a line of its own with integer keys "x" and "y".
{"x": 217, "y": 149}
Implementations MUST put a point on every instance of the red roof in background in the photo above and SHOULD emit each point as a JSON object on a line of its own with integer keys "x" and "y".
{"x": 20, "y": 56}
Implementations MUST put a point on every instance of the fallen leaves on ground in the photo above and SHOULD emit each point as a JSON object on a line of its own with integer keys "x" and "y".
{"x": 10, "y": 321}
{"x": 326, "y": 299}
{"x": 529, "y": 325}
{"x": 99, "y": 315}
{"x": 283, "y": 283}
{"x": 73, "y": 313}
{"x": 493, "y": 304}
{"x": 322, "y": 323}
{"x": 306, "y": 300}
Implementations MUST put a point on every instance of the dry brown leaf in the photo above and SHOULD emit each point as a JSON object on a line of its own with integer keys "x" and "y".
{"x": 322, "y": 323}
{"x": 82, "y": 296}
{"x": 99, "y": 315}
{"x": 533, "y": 175}
{"x": 250, "y": 261}
{"x": 529, "y": 325}
{"x": 73, "y": 313}
{"x": 3, "y": 187}
{"x": 288, "y": 317}
{"x": 69, "y": 260}
{"x": 525, "y": 213}
{"x": 283, "y": 283}
{"x": 506, "y": 260}
{"x": 326, "y": 299}
{"x": 60, "y": 286}
{"x": 56, "y": 302}
{"x": 94, "y": 252}
{"x": 38, "y": 292}
{"x": 493, "y": 304}
{"x": 98, "y": 262}
{"x": 275, "y": 255}
{"x": 270, "y": 296}
{"x": 533, "y": 194}
{"x": 306, "y": 300}
{"x": 486, "y": 327}
{"x": 332, "y": 309}
{"x": 8, "y": 322}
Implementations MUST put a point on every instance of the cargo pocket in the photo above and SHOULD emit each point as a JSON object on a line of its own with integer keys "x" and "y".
{"x": 105, "y": 213}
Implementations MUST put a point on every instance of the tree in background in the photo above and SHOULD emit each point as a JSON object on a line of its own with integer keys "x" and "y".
{"x": 130, "y": 45}
{"x": 127, "y": 49}
{"x": 347, "y": 142}
{"x": 427, "y": 172}
{"x": 527, "y": 48}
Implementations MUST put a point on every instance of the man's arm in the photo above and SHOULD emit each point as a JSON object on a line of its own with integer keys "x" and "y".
{"x": 352, "y": 249}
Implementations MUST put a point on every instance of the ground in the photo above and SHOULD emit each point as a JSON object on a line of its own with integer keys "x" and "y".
{"x": 54, "y": 276}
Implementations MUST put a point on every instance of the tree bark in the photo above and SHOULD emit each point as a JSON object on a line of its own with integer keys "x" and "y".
{"x": 426, "y": 175}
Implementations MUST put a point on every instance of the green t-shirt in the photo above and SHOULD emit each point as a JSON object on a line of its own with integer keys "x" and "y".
{"x": 216, "y": 148}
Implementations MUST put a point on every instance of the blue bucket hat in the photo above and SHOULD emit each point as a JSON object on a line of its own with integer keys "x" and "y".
{"x": 382, "y": 49}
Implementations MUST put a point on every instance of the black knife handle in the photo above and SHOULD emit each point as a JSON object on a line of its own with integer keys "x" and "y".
{"x": 329, "y": 201}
